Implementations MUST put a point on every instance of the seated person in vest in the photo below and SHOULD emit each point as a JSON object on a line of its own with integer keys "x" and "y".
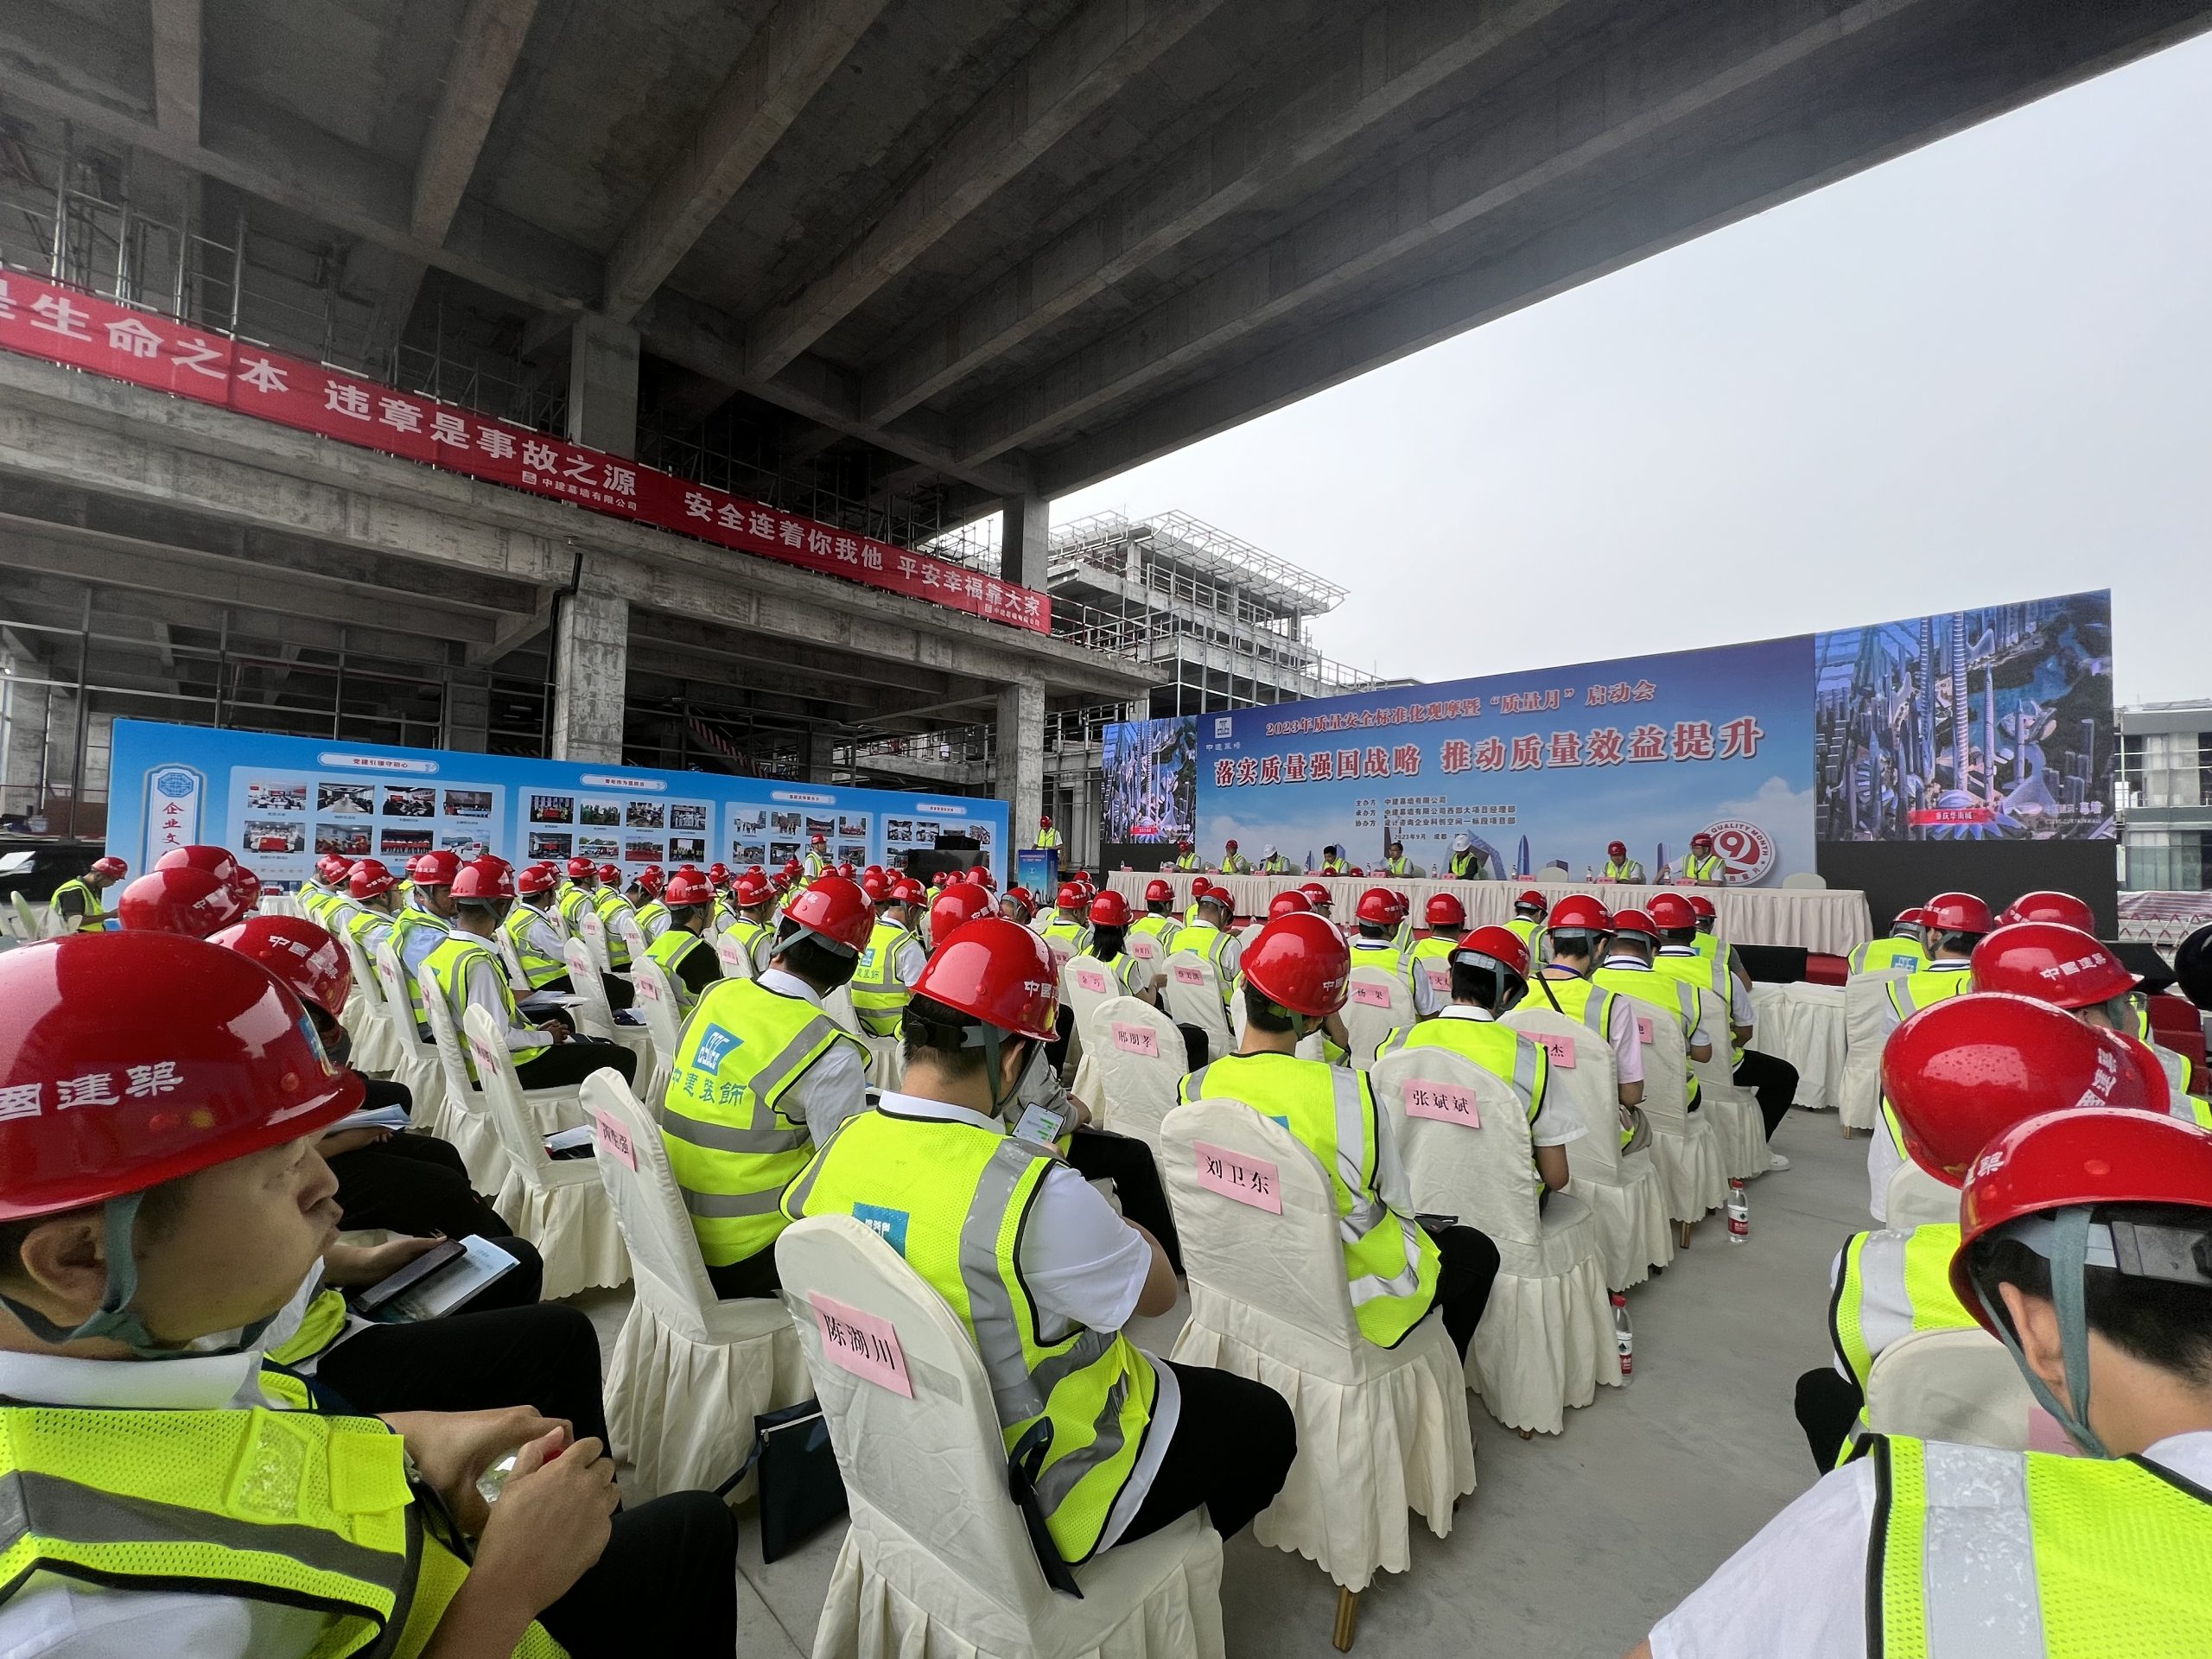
{"x": 681, "y": 948}
{"x": 1159, "y": 922}
{"x": 1619, "y": 866}
{"x": 607, "y": 900}
{"x": 1198, "y": 887}
{"x": 2087, "y": 1250}
{"x": 1575, "y": 932}
{"x": 1016, "y": 906}
{"x": 645, "y": 901}
{"x": 1770, "y": 1078}
{"x": 424, "y": 924}
{"x": 148, "y": 1237}
{"x": 1273, "y": 863}
{"x": 1903, "y": 949}
{"x": 891, "y": 960}
{"x": 1468, "y": 862}
{"x": 1701, "y": 866}
{"x": 1187, "y": 857}
{"x": 1208, "y": 936}
{"x": 2076, "y": 972}
{"x": 1394, "y": 862}
{"x": 1333, "y": 862}
{"x": 375, "y": 892}
{"x": 762, "y": 1075}
{"x": 1444, "y": 919}
{"x": 538, "y": 943}
{"x": 1489, "y": 975}
{"x": 1296, "y": 976}
{"x": 468, "y": 970}
{"x": 77, "y": 901}
{"x": 996, "y": 1222}
{"x": 1626, "y": 968}
{"x": 1528, "y": 917}
{"x": 1957, "y": 923}
{"x": 1232, "y": 861}
{"x": 753, "y": 896}
{"x": 577, "y": 894}
{"x": 1375, "y": 945}
{"x": 1067, "y": 931}
{"x": 315, "y": 891}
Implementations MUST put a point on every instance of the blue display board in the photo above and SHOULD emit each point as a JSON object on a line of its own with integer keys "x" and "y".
{"x": 278, "y": 802}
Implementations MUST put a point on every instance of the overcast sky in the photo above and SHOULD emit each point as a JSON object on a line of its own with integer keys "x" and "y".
{"x": 1982, "y": 373}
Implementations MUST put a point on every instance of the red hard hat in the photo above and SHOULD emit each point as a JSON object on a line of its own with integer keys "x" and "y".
{"x": 1300, "y": 962}
{"x": 2062, "y": 907}
{"x": 110, "y": 867}
{"x": 1580, "y": 911}
{"x": 1315, "y": 894}
{"x": 176, "y": 1056}
{"x": 1070, "y": 895}
{"x": 1532, "y": 901}
{"x": 1617, "y": 850}
{"x": 1199, "y": 887}
{"x": 581, "y": 869}
{"x": 484, "y": 878}
{"x": 1231, "y": 843}
{"x": 1158, "y": 893}
{"x": 650, "y": 878}
{"x": 331, "y": 867}
{"x": 996, "y": 971}
{"x": 718, "y": 873}
{"x": 2064, "y": 1160}
{"x": 2050, "y": 962}
{"x": 821, "y": 841}
{"x": 1110, "y": 909}
{"x": 1634, "y": 923}
{"x": 219, "y": 862}
{"x": 1914, "y": 917}
{"x": 1671, "y": 912}
{"x": 1702, "y": 906}
{"x": 1289, "y": 902}
{"x": 688, "y": 886}
{"x": 954, "y": 908}
{"x": 835, "y": 911}
{"x": 370, "y": 878}
{"x": 1959, "y": 912}
{"x": 1183, "y": 845}
{"x": 1701, "y": 839}
{"x": 845, "y": 869}
{"x": 1962, "y": 1070}
{"x": 188, "y": 902}
{"x": 876, "y": 885}
{"x": 610, "y": 876}
{"x": 907, "y": 891}
{"x": 434, "y": 869}
{"x": 1501, "y": 944}
{"x": 1046, "y": 819}
{"x": 981, "y": 876}
{"x": 1444, "y": 913}
{"x": 1020, "y": 895}
{"x": 750, "y": 889}
{"x": 306, "y": 961}
{"x": 538, "y": 878}
{"x": 1380, "y": 906}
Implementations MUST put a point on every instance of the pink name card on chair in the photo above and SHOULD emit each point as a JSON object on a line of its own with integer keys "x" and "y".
{"x": 1136, "y": 1040}
{"x": 1187, "y": 974}
{"x": 615, "y": 1140}
{"x": 1092, "y": 980}
{"x": 1375, "y": 996}
{"x": 861, "y": 1344}
{"x": 1558, "y": 1046}
{"x": 1643, "y": 1029}
{"x": 1447, "y": 1103}
{"x": 1236, "y": 1175}
{"x": 1438, "y": 978}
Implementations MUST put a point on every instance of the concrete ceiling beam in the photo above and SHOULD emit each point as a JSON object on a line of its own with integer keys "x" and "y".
{"x": 1068, "y": 79}
{"x": 176, "y": 68}
{"x": 1353, "y": 82}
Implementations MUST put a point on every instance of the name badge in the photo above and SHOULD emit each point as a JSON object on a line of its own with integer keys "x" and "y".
{"x": 1186, "y": 974}
{"x": 1092, "y": 980}
{"x": 1374, "y": 997}
{"x": 864, "y": 1345}
{"x": 614, "y": 1139}
{"x": 1136, "y": 1040}
{"x": 1447, "y": 1103}
{"x": 1643, "y": 1029}
{"x": 1560, "y": 1049}
{"x": 1234, "y": 1175}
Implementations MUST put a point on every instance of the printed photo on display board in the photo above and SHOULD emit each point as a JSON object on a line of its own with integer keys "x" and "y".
{"x": 410, "y": 803}
{"x": 782, "y": 852}
{"x": 403, "y": 844}
{"x": 687, "y": 849}
{"x": 645, "y": 815}
{"x": 686, "y": 815}
{"x": 641, "y": 852}
{"x": 277, "y": 798}
{"x": 552, "y": 809}
{"x": 468, "y": 803}
{"x": 344, "y": 840}
{"x": 606, "y": 848}
{"x": 600, "y": 814}
{"x": 549, "y": 843}
{"x": 272, "y": 836}
{"x": 746, "y": 854}
{"x": 463, "y": 847}
{"x": 344, "y": 800}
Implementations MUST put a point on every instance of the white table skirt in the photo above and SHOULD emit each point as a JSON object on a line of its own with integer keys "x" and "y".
{"x": 1804, "y": 1024}
{"x": 1830, "y": 919}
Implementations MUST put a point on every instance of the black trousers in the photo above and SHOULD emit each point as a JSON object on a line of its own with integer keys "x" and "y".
{"x": 575, "y": 1060}
{"x": 1232, "y": 1451}
{"x": 1464, "y": 1276}
{"x": 412, "y": 1184}
{"x": 1055, "y": 1051}
{"x": 379, "y": 1092}
{"x": 1774, "y": 1081}
{"x": 1195, "y": 1048}
{"x": 620, "y": 992}
{"x": 666, "y": 1583}
{"x": 1102, "y": 1155}
{"x": 756, "y": 1275}
{"x": 1829, "y": 1405}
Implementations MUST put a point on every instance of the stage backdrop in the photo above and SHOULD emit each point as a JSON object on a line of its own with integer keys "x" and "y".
{"x": 1982, "y": 725}
{"x": 279, "y": 801}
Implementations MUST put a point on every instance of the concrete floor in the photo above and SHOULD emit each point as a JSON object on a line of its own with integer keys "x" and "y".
{"x": 1572, "y": 1545}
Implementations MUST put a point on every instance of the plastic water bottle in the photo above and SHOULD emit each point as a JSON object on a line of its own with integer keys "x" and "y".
{"x": 1739, "y": 1213}
{"x": 1623, "y": 1334}
{"x": 1589, "y": 872}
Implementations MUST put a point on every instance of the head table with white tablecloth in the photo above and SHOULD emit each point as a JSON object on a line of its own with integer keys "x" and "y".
{"x": 1830, "y": 919}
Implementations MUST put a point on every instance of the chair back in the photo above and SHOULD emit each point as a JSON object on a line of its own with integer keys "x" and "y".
{"x": 1145, "y": 947}
{"x": 632, "y": 935}
{"x": 838, "y": 1005}
{"x": 659, "y": 1003}
{"x": 595, "y": 1015}
{"x": 592, "y": 931}
{"x": 1666, "y": 1073}
{"x": 465, "y": 1092}
{"x": 511, "y": 1122}
{"x": 1804, "y": 879}
{"x": 1868, "y": 1018}
{"x": 1463, "y": 1133}
{"x": 1194, "y": 993}
{"x": 669, "y": 1272}
{"x": 50, "y": 923}
{"x": 1376, "y": 1003}
{"x": 1140, "y": 1067}
{"x": 1915, "y": 1198}
{"x": 736, "y": 958}
{"x": 1957, "y": 1385}
{"x": 503, "y": 943}
{"x": 372, "y": 1032}
{"x": 1582, "y": 1071}
{"x": 901, "y": 1456}
{"x": 1717, "y": 1070}
{"x": 26, "y": 919}
{"x": 1086, "y": 984}
{"x": 1285, "y": 1268}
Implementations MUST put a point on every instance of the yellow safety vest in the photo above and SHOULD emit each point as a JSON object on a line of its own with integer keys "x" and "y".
{"x": 608, "y": 903}
{"x": 878, "y": 998}
{"x": 362, "y": 928}
{"x": 1204, "y": 940}
{"x": 575, "y": 899}
{"x": 1893, "y": 1283}
{"x": 1697, "y": 973}
{"x": 1466, "y": 866}
{"x": 954, "y": 1200}
{"x": 1499, "y": 1049}
{"x": 1390, "y": 1260}
{"x": 1525, "y": 930}
{"x": 1186, "y": 860}
{"x": 749, "y": 934}
{"x": 90, "y": 921}
{"x": 298, "y": 1508}
{"x": 652, "y": 919}
{"x": 321, "y": 1325}
{"x": 815, "y": 865}
{"x": 1235, "y": 864}
{"x": 403, "y": 927}
{"x": 1046, "y": 839}
{"x": 1378, "y": 953}
{"x": 1711, "y": 867}
{"x": 1397, "y": 867}
{"x": 1438, "y": 949}
{"x": 729, "y": 1145}
{"x": 2116, "y": 1550}
{"x": 538, "y": 971}
{"x": 670, "y": 950}
{"x": 1667, "y": 994}
{"x": 448, "y": 965}
{"x": 1879, "y": 956}
{"x": 1075, "y": 935}
{"x": 1577, "y": 998}
{"x": 1335, "y": 867}
{"x": 1916, "y": 990}
{"x": 1631, "y": 871}
{"x": 1160, "y": 927}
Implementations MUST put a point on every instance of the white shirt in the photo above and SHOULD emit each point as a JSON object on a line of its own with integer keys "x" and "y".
{"x": 1554, "y": 1124}
{"x": 906, "y": 966}
{"x": 834, "y": 1087}
{"x": 1083, "y": 1266}
{"x": 1799, "y": 1587}
{"x": 482, "y": 981}
{"x": 542, "y": 935}
{"x": 1620, "y": 1030}
{"x": 421, "y": 941}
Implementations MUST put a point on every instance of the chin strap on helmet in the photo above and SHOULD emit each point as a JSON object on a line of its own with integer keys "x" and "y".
{"x": 992, "y": 1041}
{"x": 2065, "y": 1245}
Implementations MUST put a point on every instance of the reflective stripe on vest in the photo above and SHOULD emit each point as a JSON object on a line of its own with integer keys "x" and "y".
{"x": 1631, "y": 871}
{"x": 1390, "y": 1261}
{"x": 730, "y": 1148}
{"x": 1166, "y": 929}
{"x": 1378, "y": 953}
{"x": 607, "y": 902}
{"x": 1524, "y": 928}
{"x": 1917, "y": 989}
{"x": 1894, "y": 1283}
{"x": 538, "y": 971}
{"x": 449, "y": 965}
{"x": 1979, "y": 1553}
{"x": 954, "y": 1199}
{"x": 749, "y": 934}
{"x": 1499, "y": 1049}
{"x": 1879, "y": 956}
{"x": 1075, "y": 935}
{"x": 1677, "y": 998}
{"x": 1435, "y": 947}
{"x": 1697, "y": 973}
{"x": 670, "y": 950}
{"x": 404, "y": 927}
{"x": 652, "y": 919}
{"x": 1463, "y": 865}
{"x": 572, "y": 904}
{"x": 90, "y": 913}
{"x": 878, "y": 998}
{"x": 1708, "y": 868}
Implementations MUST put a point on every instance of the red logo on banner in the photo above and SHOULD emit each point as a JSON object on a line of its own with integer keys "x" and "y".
{"x": 1745, "y": 850}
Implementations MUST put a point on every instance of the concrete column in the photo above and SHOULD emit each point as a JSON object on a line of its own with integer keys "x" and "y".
{"x": 820, "y": 757}
{"x": 1021, "y": 756}
{"x": 1025, "y": 538}
{"x": 1140, "y": 709}
{"x": 591, "y": 670}
{"x": 468, "y": 716}
{"x": 603, "y": 385}
{"x": 24, "y": 711}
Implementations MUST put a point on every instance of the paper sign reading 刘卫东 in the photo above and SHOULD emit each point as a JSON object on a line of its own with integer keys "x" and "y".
{"x": 1239, "y": 1176}
{"x": 861, "y": 1344}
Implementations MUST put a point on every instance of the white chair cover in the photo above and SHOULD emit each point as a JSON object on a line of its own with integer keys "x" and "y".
{"x": 420, "y": 1066}
{"x": 1804, "y": 879}
{"x": 1681, "y": 1141}
{"x": 593, "y": 933}
{"x": 737, "y": 961}
{"x": 29, "y": 922}
{"x": 591, "y": 1012}
{"x": 1086, "y": 984}
{"x": 936, "y": 1563}
{"x": 1378, "y": 1002}
{"x": 1141, "y": 1068}
{"x": 374, "y": 1047}
{"x": 1627, "y": 1199}
{"x": 838, "y": 1005}
{"x": 1867, "y": 1021}
{"x": 558, "y": 1204}
{"x": 1145, "y": 947}
{"x": 467, "y": 1121}
{"x": 1739, "y": 1130}
{"x": 1915, "y": 1198}
{"x": 689, "y": 1371}
{"x": 1953, "y": 1385}
{"x": 1194, "y": 996}
{"x": 657, "y": 1003}
{"x": 1380, "y": 1431}
{"x": 1546, "y": 1339}
{"x": 633, "y": 937}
